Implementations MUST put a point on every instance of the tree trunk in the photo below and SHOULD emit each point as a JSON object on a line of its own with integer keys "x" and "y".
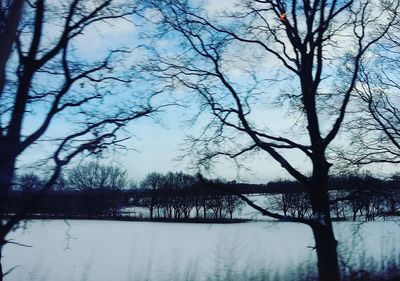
{"x": 7, "y": 169}
{"x": 1, "y": 266}
{"x": 354, "y": 215}
{"x": 326, "y": 246}
{"x": 6, "y": 178}
{"x": 325, "y": 242}
{"x": 3, "y": 233}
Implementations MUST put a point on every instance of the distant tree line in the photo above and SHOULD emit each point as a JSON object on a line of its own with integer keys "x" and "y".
{"x": 91, "y": 190}
{"x": 179, "y": 195}
{"x": 94, "y": 190}
{"x": 354, "y": 197}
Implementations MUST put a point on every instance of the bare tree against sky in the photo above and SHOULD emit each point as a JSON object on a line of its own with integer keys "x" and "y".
{"x": 47, "y": 82}
{"x": 153, "y": 182}
{"x": 99, "y": 183}
{"x": 306, "y": 54}
{"x": 28, "y": 182}
{"x": 375, "y": 122}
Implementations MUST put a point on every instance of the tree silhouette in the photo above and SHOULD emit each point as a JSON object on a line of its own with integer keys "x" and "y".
{"x": 241, "y": 62}
{"x": 375, "y": 122}
{"x": 152, "y": 182}
{"x": 100, "y": 185}
{"x": 45, "y": 80}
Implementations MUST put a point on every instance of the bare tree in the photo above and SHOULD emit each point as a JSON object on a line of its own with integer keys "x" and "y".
{"x": 281, "y": 202}
{"x": 305, "y": 54}
{"x": 375, "y": 122}
{"x": 100, "y": 185}
{"x": 393, "y": 196}
{"x": 339, "y": 206}
{"x": 152, "y": 182}
{"x": 46, "y": 80}
{"x": 26, "y": 185}
{"x": 216, "y": 205}
{"x": 29, "y": 182}
{"x": 232, "y": 203}
{"x": 178, "y": 188}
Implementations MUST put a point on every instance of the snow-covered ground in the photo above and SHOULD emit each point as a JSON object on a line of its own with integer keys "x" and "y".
{"x": 108, "y": 250}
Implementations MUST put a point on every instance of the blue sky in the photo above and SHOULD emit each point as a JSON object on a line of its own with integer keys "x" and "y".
{"x": 157, "y": 142}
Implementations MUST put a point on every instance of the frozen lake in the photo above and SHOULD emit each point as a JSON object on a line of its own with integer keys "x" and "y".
{"x": 111, "y": 250}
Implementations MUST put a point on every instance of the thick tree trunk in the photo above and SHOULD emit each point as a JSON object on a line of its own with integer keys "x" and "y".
{"x": 1, "y": 265}
{"x": 6, "y": 177}
{"x": 7, "y": 169}
{"x": 325, "y": 242}
{"x": 326, "y": 246}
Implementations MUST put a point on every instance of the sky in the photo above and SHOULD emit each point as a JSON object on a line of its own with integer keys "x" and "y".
{"x": 156, "y": 143}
